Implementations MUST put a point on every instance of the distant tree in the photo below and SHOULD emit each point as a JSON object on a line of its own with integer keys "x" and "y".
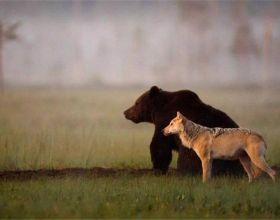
{"x": 244, "y": 43}
{"x": 7, "y": 33}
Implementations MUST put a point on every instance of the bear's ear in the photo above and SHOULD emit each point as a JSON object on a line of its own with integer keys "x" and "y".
{"x": 154, "y": 91}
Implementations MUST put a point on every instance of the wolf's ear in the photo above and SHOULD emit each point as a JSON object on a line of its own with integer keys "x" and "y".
{"x": 179, "y": 115}
{"x": 154, "y": 91}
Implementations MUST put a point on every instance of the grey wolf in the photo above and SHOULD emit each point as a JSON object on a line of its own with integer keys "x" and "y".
{"x": 223, "y": 143}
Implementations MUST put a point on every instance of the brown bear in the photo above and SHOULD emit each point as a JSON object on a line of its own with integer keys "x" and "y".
{"x": 159, "y": 107}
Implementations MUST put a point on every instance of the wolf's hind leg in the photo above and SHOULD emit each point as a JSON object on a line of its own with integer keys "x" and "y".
{"x": 246, "y": 163}
{"x": 255, "y": 170}
{"x": 261, "y": 163}
{"x": 256, "y": 152}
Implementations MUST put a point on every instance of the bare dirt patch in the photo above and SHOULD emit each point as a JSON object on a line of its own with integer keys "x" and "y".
{"x": 89, "y": 172}
{"x": 95, "y": 172}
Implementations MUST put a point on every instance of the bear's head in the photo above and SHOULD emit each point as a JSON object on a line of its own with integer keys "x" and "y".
{"x": 143, "y": 107}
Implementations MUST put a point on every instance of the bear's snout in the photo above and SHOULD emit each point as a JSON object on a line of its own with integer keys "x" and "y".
{"x": 127, "y": 113}
{"x": 131, "y": 115}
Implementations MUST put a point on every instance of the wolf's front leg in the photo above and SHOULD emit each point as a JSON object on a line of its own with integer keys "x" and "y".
{"x": 209, "y": 171}
{"x": 206, "y": 169}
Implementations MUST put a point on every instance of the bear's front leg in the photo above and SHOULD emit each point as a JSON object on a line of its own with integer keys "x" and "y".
{"x": 161, "y": 151}
{"x": 188, "y": 162}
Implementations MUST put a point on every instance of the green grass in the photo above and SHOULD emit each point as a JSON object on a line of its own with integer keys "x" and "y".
{"x": 37, "y": 128}
{"x": 60, "y": 128}
{"x": 139, "y": 197}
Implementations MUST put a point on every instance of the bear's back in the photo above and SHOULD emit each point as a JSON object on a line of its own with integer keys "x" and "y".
{"x": 190, "y": 105}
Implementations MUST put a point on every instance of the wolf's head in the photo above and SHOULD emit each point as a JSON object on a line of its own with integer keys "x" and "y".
{"x": 176, "y": 125}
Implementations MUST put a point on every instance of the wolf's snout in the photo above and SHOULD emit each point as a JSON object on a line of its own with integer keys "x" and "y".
{"x": 164, "y": 132}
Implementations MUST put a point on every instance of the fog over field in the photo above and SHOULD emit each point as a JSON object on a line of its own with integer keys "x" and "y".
{"x": 123, "y": 43}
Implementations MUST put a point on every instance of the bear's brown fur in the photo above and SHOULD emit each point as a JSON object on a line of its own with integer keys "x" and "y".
{"x": 159, "y": 107}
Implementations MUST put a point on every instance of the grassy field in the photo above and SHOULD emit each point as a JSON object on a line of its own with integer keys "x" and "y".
{"x": 59, "y": 128}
